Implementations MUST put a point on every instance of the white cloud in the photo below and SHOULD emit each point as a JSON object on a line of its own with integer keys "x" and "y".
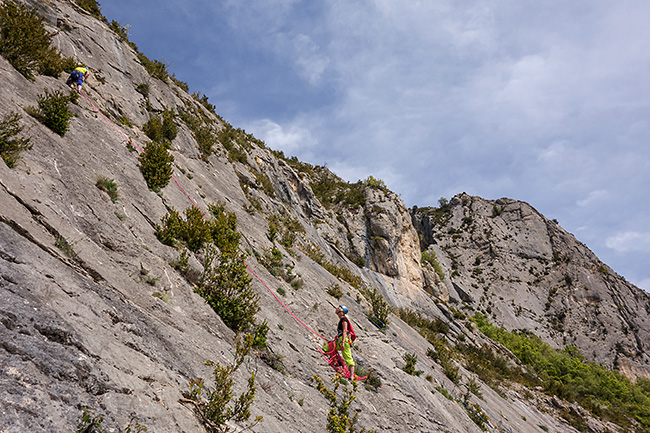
{"x": 628, "y": 242}
{"x": 310, "y": 60}
{"x": 290, "y": 140}
{"x": 594, "y": 197}
{"x": 546, "y": 103}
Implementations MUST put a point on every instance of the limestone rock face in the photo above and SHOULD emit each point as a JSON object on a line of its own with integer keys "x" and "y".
{"x": 505, "y": 258}
{"x": 95, "y": 314}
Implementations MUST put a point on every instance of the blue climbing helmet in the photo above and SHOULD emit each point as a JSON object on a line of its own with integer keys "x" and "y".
{"x": 344, "y": 309}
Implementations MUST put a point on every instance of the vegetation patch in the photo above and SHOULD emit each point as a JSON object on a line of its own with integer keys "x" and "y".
{"x": 92, "y": 7}
{"x": 161, "y": 130}
{"x": 89, "y": 422}
{"x": 216, "y": 405}
{"x": 109, "y": 186}
{"x": 11, "y": 145}
{"x": 439, "y": 215}
{"x": 427, "y": 328}
{"x": 411, "y": 361}
{"x": 334, "y": 290}
{"x": 155, "y": 68}
{"x": 339, "y": 419}
{"x": 429, "y": 257}
{"x": 330, "y": 190}
{"x": 380, "y": 310}
{"x": 25, "y": 43}
{"x": 566, "y": 374}
{"x": 53, "y": 111}
{"x": 340, "y": 272}
{"x": 156, "y": 165}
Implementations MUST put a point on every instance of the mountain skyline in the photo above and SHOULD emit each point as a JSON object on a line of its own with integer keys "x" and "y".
{"x": 542, "y": 103}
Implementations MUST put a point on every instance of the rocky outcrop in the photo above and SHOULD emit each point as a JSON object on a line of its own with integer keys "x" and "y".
{"x": 507, "y": 260}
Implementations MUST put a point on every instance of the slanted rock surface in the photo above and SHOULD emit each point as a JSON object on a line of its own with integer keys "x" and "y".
{"x": 95, "y": 316}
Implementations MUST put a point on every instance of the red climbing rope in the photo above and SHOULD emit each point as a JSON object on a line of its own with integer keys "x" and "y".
{"x": 281, "y": 303}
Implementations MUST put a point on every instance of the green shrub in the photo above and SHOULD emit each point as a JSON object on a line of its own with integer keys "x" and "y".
{"x": 427, "y": 328}
{"x": 169, "y": 128}
{"x": 411, "y": 361}
{"x": 566, "y": 374}
{"x": 156, "y": 165}
{"x": 272, "y": 261}
{"x": 203, "y": 100}
{"x": 375, "y": 183}
{"x": 215, "y": 405}
{"x": 155, "y": 68}
{"x": 143, "y": 89}
{"x": 194, "y": 231}
{"x": 197, "y": 229}
{"x": 119, "y": 30}
{"x": 172, "y": 228}
{"x": 25, "y": 43}
{"x": 225, "y": 282}
{"x": 161, "y": 130}
{"x": 62, "y": 243}
{"x": 205, "y": 139}
{"x": 10, "y": 145}
{"x": 182, "y": 84}
{"x": 224, "y": 228}
{"x": 339, "y": 419}
{"x": 314, "y": 253}
{"x": 449, "y": 369}
{"x": 259, "y": 335}
{"x": 476, "y": 414}
{"x": 91, "y": 6}
{"x": 52, "y": 64}
{"x": 379, "y": 308}
{"x": 474, "y": 387}
{"x": 430, "y": 258}
{"x": 153, "y": 129}
{"x": 91, "y": 423}
{"x": 373, "y": 381}
{"x": 109, "y": 186}
{"x": 53, "y": 111}
{"x": 273, "y": 360}
{"x": 335, "y": 290}
{"x": 492, "y": 368}
{"x": 225, "y": 285}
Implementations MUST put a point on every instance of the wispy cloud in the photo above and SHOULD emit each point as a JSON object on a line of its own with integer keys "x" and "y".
{"x": 629, "y": 242}
{"x": 543, "y": 102}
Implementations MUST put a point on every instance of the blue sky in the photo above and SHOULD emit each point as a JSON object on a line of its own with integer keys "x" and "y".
{"x": 545, "y": 102}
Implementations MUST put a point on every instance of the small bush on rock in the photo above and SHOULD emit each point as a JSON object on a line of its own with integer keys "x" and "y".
{"x": 156, "y": 165}
{"x": 171, "y": 228}
{"x": 91, "y": 6}
{"x": 339, "y": 419}
{"x": 411, "y": 361}
{"x": 25, "y": 43}
{"x": 109, "y": 186}
{"x": 155, "y": 68}
{"x": 197, "y": 229}
{"x": 335, "y": 290}
{"x": 161, "y": 130}
{"x": 10, "y": 145}
{"x": 225, "y": 285}
{"x": 53, "y": 111}
{"x": 215, "y": 405}
{"x": 380, "y": 309}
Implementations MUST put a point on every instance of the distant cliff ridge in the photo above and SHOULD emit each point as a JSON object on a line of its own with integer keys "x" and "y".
{"x": 130, "y": 244}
